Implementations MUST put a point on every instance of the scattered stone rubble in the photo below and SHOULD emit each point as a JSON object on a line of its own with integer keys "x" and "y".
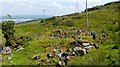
{"x": 80, "y": 47}
{"x": 6, "y": 50}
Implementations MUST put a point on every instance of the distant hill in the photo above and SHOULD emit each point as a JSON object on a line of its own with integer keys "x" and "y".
{"x": 24, "y": 17}
{"x": 117, "y": 3}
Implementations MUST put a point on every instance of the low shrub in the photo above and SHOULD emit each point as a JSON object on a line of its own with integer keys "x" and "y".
{"x": 68, "y": 23}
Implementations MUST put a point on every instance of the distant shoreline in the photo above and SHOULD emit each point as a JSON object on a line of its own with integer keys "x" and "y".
{"x": 23, "y": 18}
{"x": 17, "y": 20}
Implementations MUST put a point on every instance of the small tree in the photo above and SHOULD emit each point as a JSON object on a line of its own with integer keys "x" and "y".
{"x": 8, "y": 31}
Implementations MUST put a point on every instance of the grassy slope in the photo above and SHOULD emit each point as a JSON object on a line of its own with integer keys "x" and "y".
{"x": 101, "y": 20}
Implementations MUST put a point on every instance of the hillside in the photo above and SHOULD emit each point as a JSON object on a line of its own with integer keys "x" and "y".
{"x": 38, "y": 41}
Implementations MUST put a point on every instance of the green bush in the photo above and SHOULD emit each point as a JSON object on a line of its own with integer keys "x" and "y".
{"x": 8, "y": 31}
{"x": 68, "y": 23}
{"x": 78, "y": 17}
{"x": 22, "y": 40}
{"x": 42, "y": 21}
{"x": 52, "y": 18}
{"x": 56, "y": 22}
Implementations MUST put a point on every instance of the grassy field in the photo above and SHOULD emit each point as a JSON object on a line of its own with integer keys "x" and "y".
{"x": 103, "y": 20}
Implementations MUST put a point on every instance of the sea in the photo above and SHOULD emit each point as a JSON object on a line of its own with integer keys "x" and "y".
{"x": 22, "y": 18}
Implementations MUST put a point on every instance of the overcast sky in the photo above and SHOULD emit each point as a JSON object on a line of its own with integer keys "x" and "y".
{"x": 52, "y": 7}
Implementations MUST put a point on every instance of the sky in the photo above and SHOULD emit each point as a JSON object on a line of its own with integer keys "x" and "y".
{"x": 51, "y": 7}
